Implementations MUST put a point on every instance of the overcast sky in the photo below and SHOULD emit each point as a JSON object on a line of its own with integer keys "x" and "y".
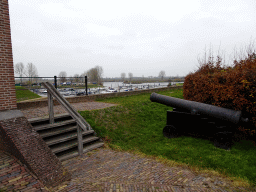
{"x": 141, "y": 37}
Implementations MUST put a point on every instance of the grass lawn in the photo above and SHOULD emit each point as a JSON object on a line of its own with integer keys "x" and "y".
{"x": 23, "y": 93}
{"x": 136, "y": 125}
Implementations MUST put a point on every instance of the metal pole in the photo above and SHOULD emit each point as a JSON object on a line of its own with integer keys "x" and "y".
{"x": 55, "y": 81}
{"x": 85, "y": 81}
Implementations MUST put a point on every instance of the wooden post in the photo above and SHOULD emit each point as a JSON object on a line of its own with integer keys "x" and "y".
{"x": 50, "y": 108}
{"x": 79, "y": 140}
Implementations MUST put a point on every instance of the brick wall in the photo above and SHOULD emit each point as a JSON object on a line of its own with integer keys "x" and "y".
{"x": 21, "y": 140}
{"x": 7, "y": 83}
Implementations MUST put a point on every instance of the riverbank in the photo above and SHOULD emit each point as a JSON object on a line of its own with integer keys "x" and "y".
{"x": 78, "y": 99}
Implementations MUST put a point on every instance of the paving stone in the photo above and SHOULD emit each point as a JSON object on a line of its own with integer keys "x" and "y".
{"x": 108, "y": 170}
{"x": 43, "y": 111}
{"x": 4, "y": 177}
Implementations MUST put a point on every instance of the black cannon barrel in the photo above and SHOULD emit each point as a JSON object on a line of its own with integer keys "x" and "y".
{"x": 200, "y": 108}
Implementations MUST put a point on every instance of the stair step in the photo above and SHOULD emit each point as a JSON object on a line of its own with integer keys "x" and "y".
{"x": 57, "y": 124}
{"x": 45, "y": 119}
{"x": 61, "y": 136}
{"x": 58, "y": 131}
{"x": 66, "y": 137}
{"x": 67, "y": 145}
{"x": 75, "y": 152}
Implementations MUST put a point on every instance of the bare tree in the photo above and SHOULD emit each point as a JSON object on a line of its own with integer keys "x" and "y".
{"x": 130, "y": 76}
{"x": 92, "y": 75}
{"x": 161, "y": 74}
{"x": 123, "y": 76}
{"x": 31, "y": 71}
{"x": 99, "y": 70}
{"x": 63, "y": 76}
{"x": 19, "y": 69}
{"x": 95, "y": 74}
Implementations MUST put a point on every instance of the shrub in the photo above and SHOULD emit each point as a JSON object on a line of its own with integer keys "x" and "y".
{"x": 229, "y": 87}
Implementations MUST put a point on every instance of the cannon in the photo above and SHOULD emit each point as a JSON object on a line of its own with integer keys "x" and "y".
{"x": 200, "y": 120}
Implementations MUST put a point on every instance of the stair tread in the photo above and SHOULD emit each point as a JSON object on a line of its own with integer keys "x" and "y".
{"x": 85, "y": 150}
{"x": 66, "y": 137}
{"x": 56, "y": 116}
{"x": 61, "y": 135}
{"x": 48, "y": 126}
{"x": 56, "y": 132}
{"x": 70, "y": 144}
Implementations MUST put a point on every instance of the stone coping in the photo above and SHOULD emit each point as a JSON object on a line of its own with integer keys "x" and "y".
{"x": 9, "y": 114}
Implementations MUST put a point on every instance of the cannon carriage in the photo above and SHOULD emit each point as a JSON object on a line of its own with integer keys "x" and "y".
{"x": 201, "y": 120}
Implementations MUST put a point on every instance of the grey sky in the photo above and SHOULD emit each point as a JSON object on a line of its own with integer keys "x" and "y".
{"x": 142, "y": 37}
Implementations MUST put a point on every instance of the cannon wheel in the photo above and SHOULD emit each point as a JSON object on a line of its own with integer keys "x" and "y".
{"x": 170, "y": 131}
{"x": 223, "y": 140}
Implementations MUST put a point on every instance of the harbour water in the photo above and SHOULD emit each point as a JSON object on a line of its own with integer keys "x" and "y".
{"x": 118, "y": 84}
{"x": 108, "y": 87}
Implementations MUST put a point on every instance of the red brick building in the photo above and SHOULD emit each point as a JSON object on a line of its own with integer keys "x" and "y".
{"x": 17, "y": 136}
{"x": 7, "y": 82}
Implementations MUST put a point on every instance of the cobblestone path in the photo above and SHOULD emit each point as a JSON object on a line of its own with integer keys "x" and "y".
{"x": 108, "y": 170}
{"x": 14, "y": 176}
{"x": 58, "y": 109}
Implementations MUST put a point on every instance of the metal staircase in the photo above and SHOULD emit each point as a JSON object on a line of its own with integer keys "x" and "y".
{"x": 68, "y": 135}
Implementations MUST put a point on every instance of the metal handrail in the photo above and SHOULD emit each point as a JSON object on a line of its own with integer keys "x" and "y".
{"x": 82, "y": 124}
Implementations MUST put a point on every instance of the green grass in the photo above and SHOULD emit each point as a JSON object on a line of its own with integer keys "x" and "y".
{"x": 136, "y": 125}
{"x": 23, "y": 93}
{"x": 93, "y": 85}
